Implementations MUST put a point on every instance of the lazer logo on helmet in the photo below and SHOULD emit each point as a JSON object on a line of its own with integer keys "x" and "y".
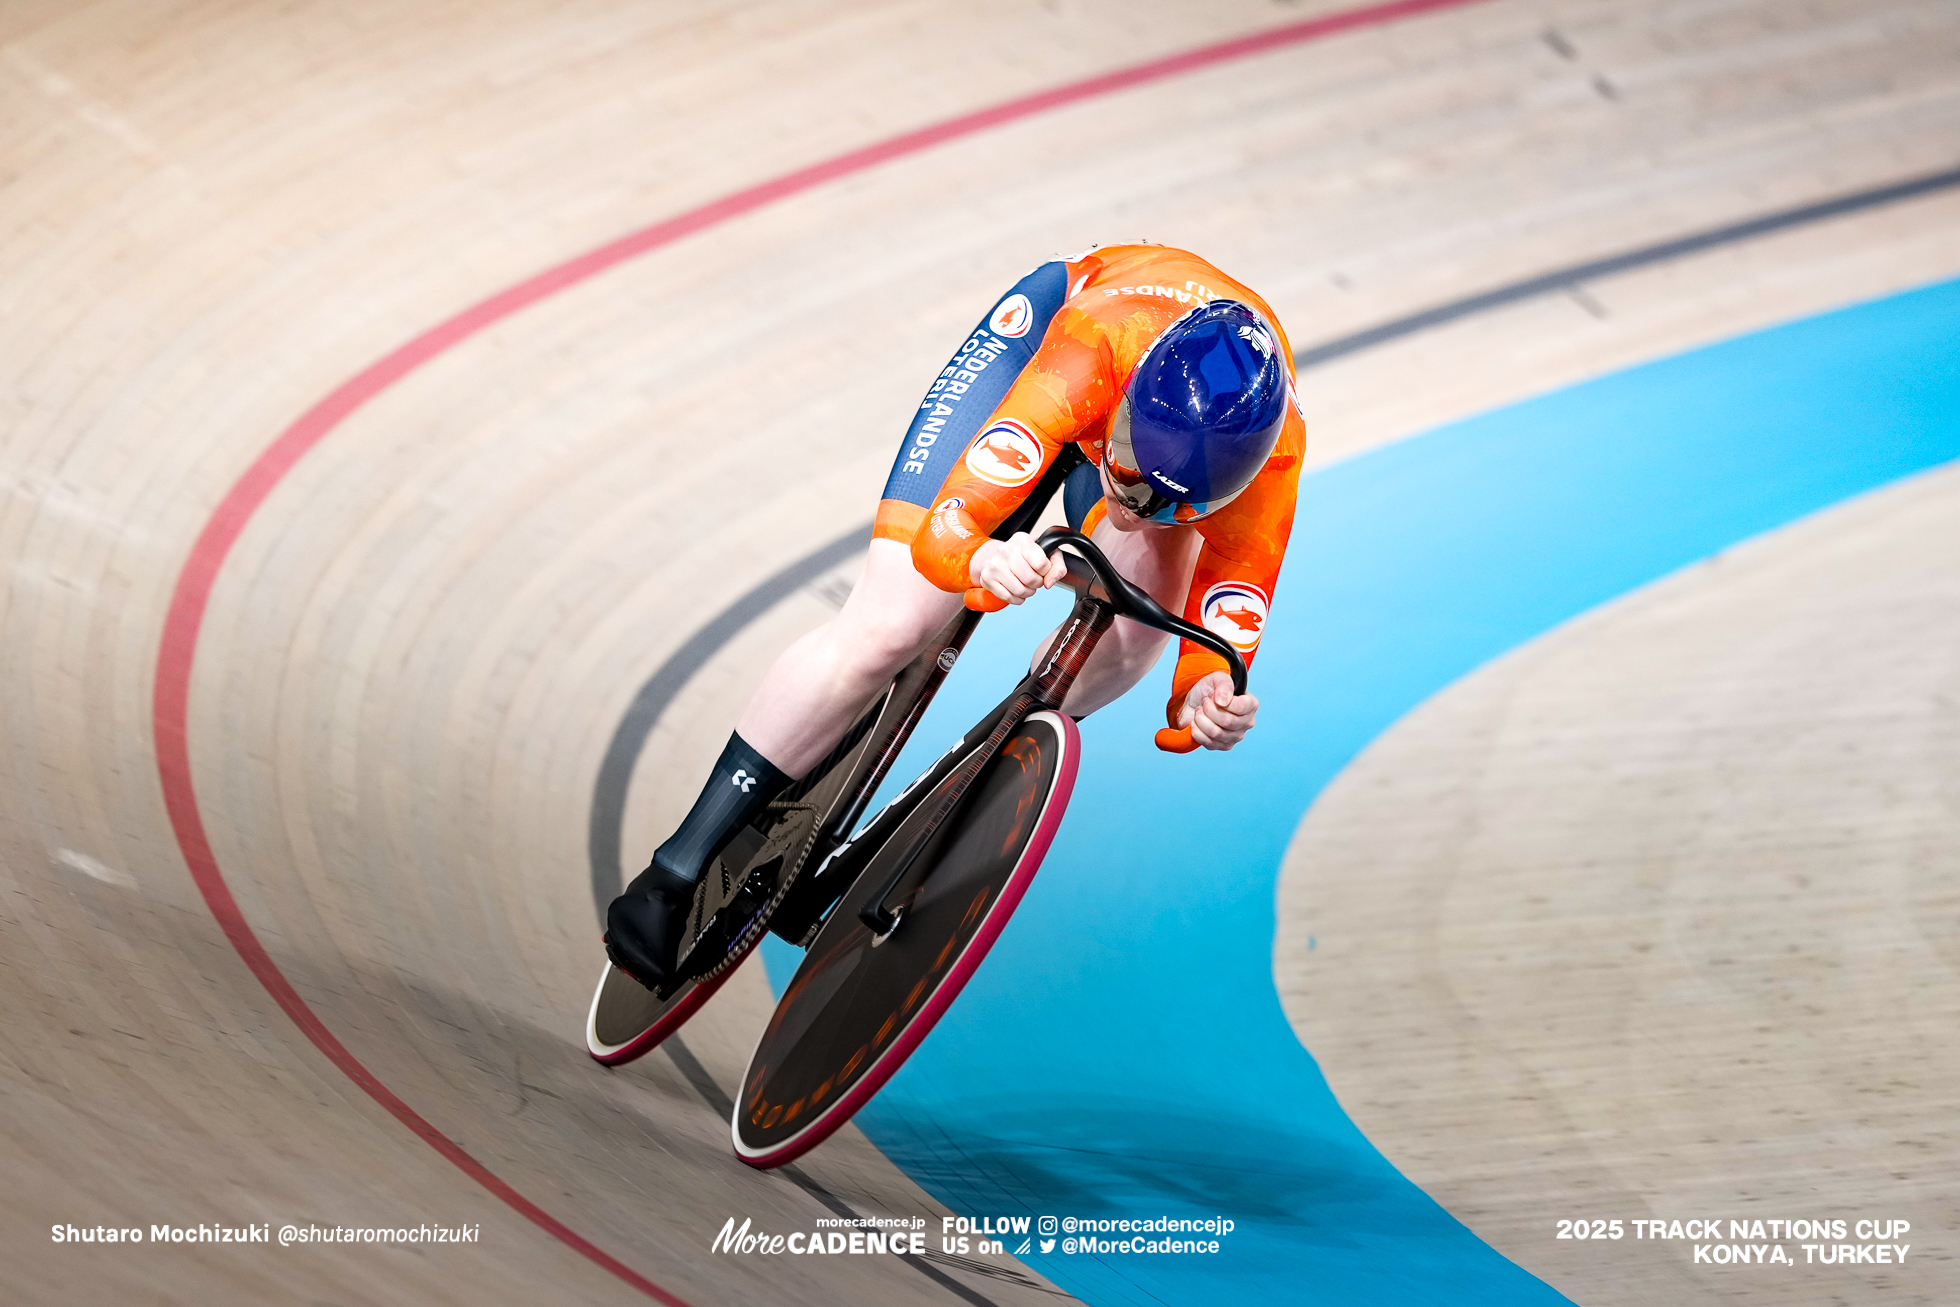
{"x": 1182, "y": 490}
{"x": 1237, "y": 611}
{"x": 1006, "y": 454}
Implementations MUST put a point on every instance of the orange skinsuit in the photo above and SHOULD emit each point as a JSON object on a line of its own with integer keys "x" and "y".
{"x": 1121, "y": 298}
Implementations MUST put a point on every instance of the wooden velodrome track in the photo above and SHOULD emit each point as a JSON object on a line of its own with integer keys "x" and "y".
{"x": 427, "y": 627}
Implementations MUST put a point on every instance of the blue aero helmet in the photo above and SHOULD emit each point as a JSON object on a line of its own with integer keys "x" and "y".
{"x": 1199, "y": 416}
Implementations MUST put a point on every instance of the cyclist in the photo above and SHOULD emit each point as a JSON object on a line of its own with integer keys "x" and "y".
{"x": 1176, "y": 384}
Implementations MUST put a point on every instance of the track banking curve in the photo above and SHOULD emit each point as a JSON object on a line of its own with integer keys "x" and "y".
{"x": 416, "y": 648}
{"x": 191, "y": 594}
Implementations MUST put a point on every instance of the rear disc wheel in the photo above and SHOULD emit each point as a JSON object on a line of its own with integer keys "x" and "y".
{"x": 628, "y": 1020}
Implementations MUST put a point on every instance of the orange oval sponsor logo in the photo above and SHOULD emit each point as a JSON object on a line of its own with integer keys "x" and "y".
{"x": 1012, "y": 317}
{"x": 1236, "y": 611}
{"x": 1006, "y": 454}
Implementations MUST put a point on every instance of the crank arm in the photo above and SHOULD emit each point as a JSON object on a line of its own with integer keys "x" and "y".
{"x": 878, "y": 918}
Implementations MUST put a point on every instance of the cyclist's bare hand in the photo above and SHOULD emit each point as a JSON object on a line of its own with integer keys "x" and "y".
{"x": 1015, "y": 568}
{"x": 1218, "y": 718}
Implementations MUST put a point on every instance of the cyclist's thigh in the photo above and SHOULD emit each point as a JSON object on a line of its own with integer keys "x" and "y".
{"x": 892, "y": 610}
{"x": 964, "y": 396}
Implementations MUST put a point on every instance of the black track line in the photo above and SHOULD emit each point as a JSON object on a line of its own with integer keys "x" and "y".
{"x": 1566, "y": 279}
{"x": 722, "y": 1105}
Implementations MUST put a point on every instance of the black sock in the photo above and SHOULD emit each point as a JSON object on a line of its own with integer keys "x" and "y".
{"x": 741, "y": 784}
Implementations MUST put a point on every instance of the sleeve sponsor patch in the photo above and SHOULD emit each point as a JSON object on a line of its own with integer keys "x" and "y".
{"x": 1237, "y": 611}
{"x": 1006, "y": 454}
{"x": 945, "y": 524}
{"x": 1012, "y": 317}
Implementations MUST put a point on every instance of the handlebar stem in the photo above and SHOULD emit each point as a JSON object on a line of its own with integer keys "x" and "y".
{"x": 1102, "y": 584}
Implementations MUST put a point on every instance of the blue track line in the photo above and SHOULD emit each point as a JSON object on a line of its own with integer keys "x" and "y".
{"x": 1123, "y": 1052}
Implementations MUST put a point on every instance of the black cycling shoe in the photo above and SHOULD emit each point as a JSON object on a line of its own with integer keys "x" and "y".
{"x": 644, "y": 925}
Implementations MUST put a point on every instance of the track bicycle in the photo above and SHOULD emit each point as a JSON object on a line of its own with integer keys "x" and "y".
{"x": 896, "y": 917}
{"x": 931, "y": 881}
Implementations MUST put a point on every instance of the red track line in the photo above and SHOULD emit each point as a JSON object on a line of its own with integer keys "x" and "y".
{"x": 189, "y": 600}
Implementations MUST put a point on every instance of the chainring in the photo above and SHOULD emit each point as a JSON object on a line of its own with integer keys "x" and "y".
{"x": 745, "y": 939}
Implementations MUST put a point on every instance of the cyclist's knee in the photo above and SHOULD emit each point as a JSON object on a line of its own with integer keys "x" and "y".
{"x": 890, "y": 614}
{"x": 1123, "y": 658}
{"x": 877, "y": 643}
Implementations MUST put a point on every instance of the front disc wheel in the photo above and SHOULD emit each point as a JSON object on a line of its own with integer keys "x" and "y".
{"x": 861, "y": 1002}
